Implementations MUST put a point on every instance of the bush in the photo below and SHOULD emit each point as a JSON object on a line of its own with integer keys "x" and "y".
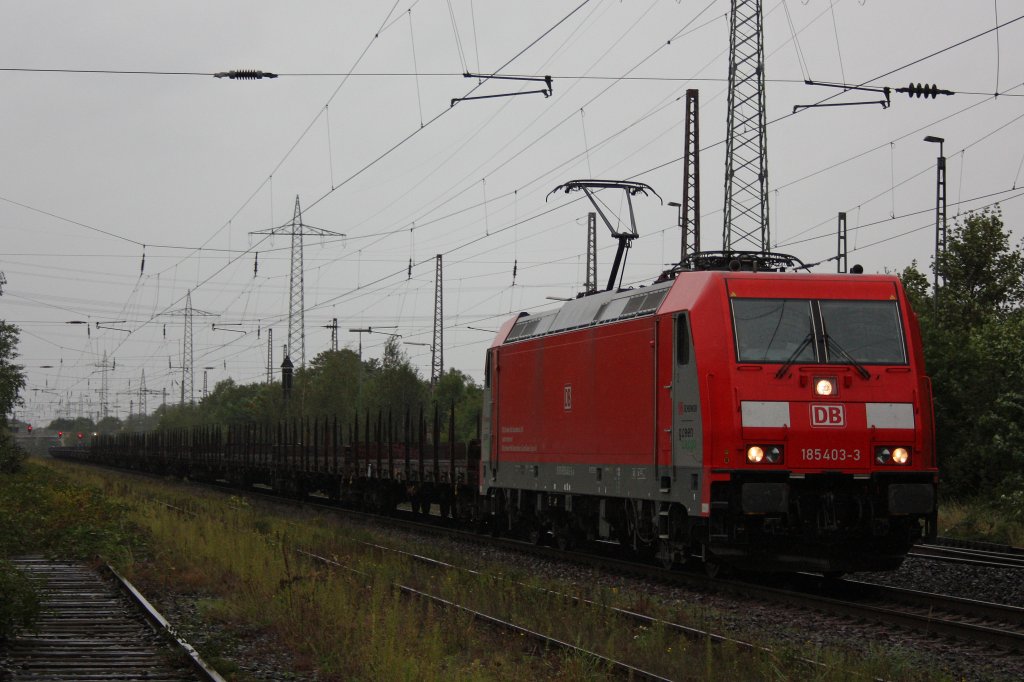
{"x": 20, "y": 605}
{"x": 12, "y": 457}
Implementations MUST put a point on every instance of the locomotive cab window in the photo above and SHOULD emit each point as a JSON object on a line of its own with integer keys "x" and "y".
{"x": 818, "y": 332}
{"x": 773, "y": 330}
{"x": 868, "y": 331}
{"x": 682, "y": 340}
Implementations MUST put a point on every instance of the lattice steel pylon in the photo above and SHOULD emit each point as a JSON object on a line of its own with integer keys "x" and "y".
{"x": 437, "y": 347}
{"x": 269, "y": 355}
{"x": 142, "y": 393}
{"x": 591, "y": 283}
{"x": 296, "y": 299}
{"x": 746, "y": 163}
{"x": 186, "y": 347}
{"x": 187, "y": 358}
{"x": 689, "y": 209}
{"x": 104, "y": 388}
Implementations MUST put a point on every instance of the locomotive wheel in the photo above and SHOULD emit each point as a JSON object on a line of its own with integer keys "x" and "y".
{"x": 712, "y": 567}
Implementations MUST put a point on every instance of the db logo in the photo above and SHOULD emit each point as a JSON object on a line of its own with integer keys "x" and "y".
{"x": 828, "y": 415}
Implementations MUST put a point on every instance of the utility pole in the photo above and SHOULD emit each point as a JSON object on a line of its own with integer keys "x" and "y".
{"x": 591, "y": 284}
{"x": 746, "y": 163}
{"x": 689, "y": 211}
{"x": 333, "y": 326}
{"x": 841, "y": 252}
{"x": 270, "y": 356}
{"x": 296, "y": 307}
{"x": 142, "y": 392}
{"x": 104, "y": 387}
{"x": 437, "y": 349}
{"x": 940, "y": 212}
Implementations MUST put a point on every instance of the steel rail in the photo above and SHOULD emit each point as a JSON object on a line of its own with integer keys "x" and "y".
{"x": 626, "y": 669}
{"x": 204, "y": 669}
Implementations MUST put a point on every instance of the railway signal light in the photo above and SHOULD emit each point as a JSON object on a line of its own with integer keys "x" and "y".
{"x": 79, "y": 435}
{"x": 29, "y": 428}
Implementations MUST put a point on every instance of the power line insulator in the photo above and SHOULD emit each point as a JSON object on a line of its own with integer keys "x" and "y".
{"x": 244, "y": 74}
{"x": 924, "y": 90}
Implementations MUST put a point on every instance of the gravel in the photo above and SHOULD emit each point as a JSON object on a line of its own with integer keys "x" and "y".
{"x": 998, "y": 585}
{"x": 772, "y": 625}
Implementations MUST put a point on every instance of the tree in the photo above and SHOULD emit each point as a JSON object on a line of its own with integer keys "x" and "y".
{"x": 459, "y": 389}
{"x": 396, "y": 386}
{"x": 12, "y": 380}
{"x": 12, "y": 376}
{"x": 984, "y": 277}
{"x": 972, "y": 338}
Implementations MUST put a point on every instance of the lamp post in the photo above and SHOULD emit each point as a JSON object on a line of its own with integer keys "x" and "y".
{"x": 940, "y": 212}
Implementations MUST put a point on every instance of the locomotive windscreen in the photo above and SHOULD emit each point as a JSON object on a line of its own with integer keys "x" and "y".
{"x": 783, "y": 330}
{"x": 869, "y": 331}
{"x": 773, "y": 330}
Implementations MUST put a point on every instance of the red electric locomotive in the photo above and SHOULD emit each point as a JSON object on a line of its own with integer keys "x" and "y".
{"x": 731, "y": 412}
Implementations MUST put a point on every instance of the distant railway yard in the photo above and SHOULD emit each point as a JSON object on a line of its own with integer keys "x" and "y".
{"x": 285, "y": 588}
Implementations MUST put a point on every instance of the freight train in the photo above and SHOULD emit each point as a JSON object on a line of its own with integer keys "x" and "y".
{"x": 730, "y": 412}
{"x": 735, "y": 412}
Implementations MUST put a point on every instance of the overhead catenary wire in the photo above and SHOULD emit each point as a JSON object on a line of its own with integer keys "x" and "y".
{"x": 493, "y": 198}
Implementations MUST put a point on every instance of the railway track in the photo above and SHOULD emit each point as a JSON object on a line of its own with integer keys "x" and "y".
{"x": 93, "y": 628}
{"x": 966, "y": 620}
{"x": 979, "y": 623}
{"x": 972, "y": 553}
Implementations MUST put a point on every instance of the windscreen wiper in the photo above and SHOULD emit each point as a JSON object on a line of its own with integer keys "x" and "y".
{"x": 830, "y": 342}
{"x": 796, "y": 353}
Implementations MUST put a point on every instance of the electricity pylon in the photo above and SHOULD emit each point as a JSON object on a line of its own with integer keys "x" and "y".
{"x": 296, "y": 308}
{"x": 746, "y": 163}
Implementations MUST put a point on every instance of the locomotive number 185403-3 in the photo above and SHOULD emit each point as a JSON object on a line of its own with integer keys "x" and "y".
{"x": 829, "y": 455}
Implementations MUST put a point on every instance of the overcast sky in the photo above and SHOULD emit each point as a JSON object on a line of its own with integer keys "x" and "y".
{"x": 156, "y": 158}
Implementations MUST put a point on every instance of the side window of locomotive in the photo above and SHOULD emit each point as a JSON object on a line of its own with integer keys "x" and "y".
{"x": 682, "y": 340}
{"x": 869, "y": 331}
{"x": 773, "y": 330}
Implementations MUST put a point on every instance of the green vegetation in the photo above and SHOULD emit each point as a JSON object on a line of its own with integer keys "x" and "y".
{"x": 972, "y": 345}
{"x": 42, "y": 512}
{"x": 12, "y": 380}
{"x": 20, "y": 604}
{"x": 239, "y": 562}
{"x": 997, "y": 519}
{"x": 335, "y": 384}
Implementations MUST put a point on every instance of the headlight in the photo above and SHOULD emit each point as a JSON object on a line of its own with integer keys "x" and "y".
{"x": 825, "y": 386}
{"x": 768, "y": 454}
{"x": 892, "y": 455}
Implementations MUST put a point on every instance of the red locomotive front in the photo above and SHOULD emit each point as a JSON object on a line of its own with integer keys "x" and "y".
{"x": 768, "y": 419}
{"x": 822, "y": 452}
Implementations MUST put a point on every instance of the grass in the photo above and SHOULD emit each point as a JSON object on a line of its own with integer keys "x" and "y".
{"x": 1000, "y": 519}
{"x": 238, "y": 559}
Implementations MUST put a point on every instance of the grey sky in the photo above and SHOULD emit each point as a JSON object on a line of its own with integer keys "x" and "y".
{"x": 97, "y": 165}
